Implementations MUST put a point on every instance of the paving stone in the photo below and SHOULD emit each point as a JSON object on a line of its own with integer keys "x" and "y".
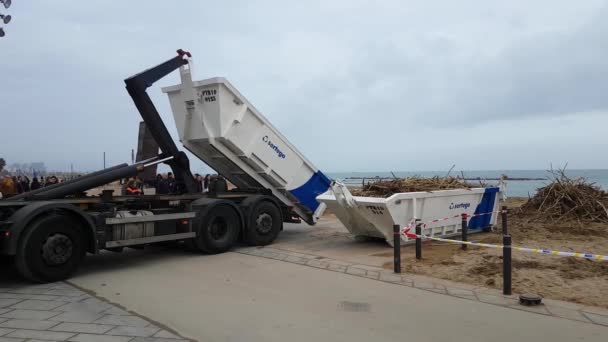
{"x": 39, "y": 341}
{"x": 29, "y": 314}
{"x": 9, "y": 339}
{"x": 567, "y": 313}
{"x": 316, "y": 263}
{"x": 373, "y": 274}
{"x": 356, "y": 271}
{"x": 567, "y": 305}
{"x": 536, "y": 309}
{"x": 77, "y": 317}
{"x": 6, "y": 302}
{"x": 440, "y": 291}
{"x": 4, "y": 331}
{"x": 40, "y": 335}
{"x": 423, "y": 285}
{"x": 496, "y": 300}
{"x": 5, "y": 295}
{"x": 336, "y": 267}
{"x": 134, "y": 331}
{"x": 3, "y": 311}
{"x": 64, "y": 292}
{"x": 390, "y": 277}
{"x": 595, "y": 310}
{"x": 406, "y": 281}
{"x": 132, "y": 321}
{"x": 27, "y": 324}
{"x": 99, "y": 338}
{"x": 27, "y": 296}
{"x": 153, "y": 339}
{"x": 83, "y": 328}
{"x": 116, "y": 311}
{"x": 85, "y": 307}
{"x": 3, "y": 320}
{"x": 597, "y": 319}
{"x": 73, "y": 299}
{"x": 459, "y": 292}
{"x": 33, "y": 304}
{"x": 26, "y": 290}
{"x": 166, "y": 334}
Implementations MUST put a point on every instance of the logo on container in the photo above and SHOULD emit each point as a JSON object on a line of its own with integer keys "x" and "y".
{"x": 273, "y": 147}
{"x": 459, "y": 205}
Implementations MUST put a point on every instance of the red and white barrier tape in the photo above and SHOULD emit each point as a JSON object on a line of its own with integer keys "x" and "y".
{"x": 412, "y": 222}
{"x": 521, "y": 249}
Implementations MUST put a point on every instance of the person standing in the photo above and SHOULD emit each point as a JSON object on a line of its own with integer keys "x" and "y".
{"x": 162, "y": 185}
{"x": 7, "y": 187}
{"x": 35, "y": 184}
{"x": 199, "y": 182}
{"x": 171, "y": 183}
{"x": 132, "y": 188}
{"x": 25, "y": 184}
{"x": 206, "y": 183}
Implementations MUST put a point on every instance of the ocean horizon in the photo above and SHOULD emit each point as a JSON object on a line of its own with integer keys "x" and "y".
{"x": 514, "y": 188}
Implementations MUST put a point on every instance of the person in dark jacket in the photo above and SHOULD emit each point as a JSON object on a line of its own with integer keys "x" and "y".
{"x": 171, "y": 183}
{"x": 199, "y": 182}
{"x": 25, "y": 184}
{"x": 35, "y": 184}
{"x": 206, "y": 183}
{"x": 162, "y": 185}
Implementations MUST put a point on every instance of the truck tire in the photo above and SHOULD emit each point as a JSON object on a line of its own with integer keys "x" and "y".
{"x": 218, "y": 230}
{"x": 264, "y": 223}
{"x": 51, "y": 248}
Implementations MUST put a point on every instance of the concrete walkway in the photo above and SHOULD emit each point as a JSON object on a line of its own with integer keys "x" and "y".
{"x": 238, "y": 297}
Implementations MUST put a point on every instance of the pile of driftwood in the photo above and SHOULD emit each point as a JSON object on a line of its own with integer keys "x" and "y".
{"x": 567, "y": 199}
{"x": 385, "y": 188}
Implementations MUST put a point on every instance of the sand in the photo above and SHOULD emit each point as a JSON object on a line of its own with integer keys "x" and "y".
{"x": 564, "y": 278}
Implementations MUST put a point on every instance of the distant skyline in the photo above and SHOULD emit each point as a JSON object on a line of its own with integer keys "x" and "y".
{"x": 355, "y": 85}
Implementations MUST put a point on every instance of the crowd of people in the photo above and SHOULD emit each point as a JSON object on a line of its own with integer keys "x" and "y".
{"x": 165, "y": 184}
{"x": 13, "y": 185}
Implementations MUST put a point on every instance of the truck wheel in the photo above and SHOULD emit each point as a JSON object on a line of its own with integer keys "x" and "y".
{"x": 51, "y": 249}
{"x": 263, "y": 224}
{"x": 218, "y": 230}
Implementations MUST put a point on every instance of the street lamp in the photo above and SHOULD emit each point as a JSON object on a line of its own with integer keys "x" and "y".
{"x": 2, "y": 32}
{"x": 6, "y": 3}
{"x": 5, "y": 18}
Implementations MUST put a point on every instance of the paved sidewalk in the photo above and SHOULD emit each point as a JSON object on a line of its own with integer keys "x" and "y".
{"x": 61, "y": 312}
{"x": 567, "y": 310}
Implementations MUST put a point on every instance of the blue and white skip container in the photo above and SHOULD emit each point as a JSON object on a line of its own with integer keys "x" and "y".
{"x": 221, "y": 127}
{"x": 439, "y": 211}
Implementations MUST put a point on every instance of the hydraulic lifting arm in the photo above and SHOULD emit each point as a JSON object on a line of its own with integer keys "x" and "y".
{"x": 136, "y": 86}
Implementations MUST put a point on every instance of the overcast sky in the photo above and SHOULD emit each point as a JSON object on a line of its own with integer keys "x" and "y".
{"x": 355, "y": 85}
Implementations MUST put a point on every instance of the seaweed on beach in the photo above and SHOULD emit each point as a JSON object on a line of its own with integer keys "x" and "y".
{"x": 385, "y": 188}
{"x": 568, "y": 199}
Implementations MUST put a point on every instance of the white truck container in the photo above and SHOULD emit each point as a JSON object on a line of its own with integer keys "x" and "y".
{"x": 220, "y": 126}
{"x": 375, "y": 217}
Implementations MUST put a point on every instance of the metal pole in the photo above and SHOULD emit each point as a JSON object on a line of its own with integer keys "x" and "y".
{"x": 464, "y": 231}
{"x": 506, "y": 265}
{"x": 504, "y": 212}
{"x": 104, "y": 160}
{"x": 397, "y": 248}
{"x": 418, "y": 240}
{"x": 132, "y": 156}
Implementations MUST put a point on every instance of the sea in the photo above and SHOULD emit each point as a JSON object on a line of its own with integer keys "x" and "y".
{"x": 514, "y": 188}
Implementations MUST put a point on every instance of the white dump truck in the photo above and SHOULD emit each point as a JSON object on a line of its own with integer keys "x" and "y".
{"x": 48, "y": 231}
